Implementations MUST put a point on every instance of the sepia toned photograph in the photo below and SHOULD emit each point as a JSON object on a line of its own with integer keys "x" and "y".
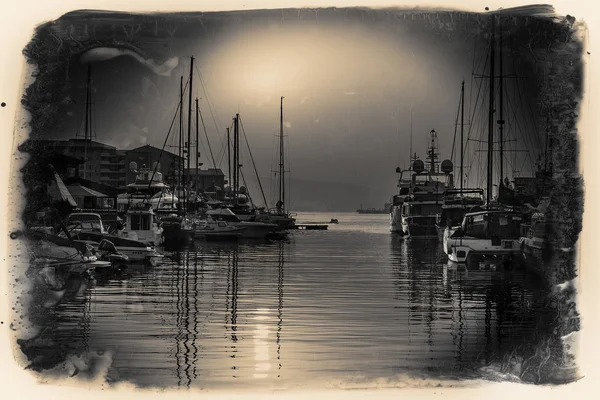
{"x": 299, "y": 199}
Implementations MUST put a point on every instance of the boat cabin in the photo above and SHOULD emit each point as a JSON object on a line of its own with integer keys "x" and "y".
{"x": 89, "y": 222}
{"x": 492, "y": 224}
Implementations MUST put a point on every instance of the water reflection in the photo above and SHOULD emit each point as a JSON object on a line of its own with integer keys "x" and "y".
{"x": 357, "y": 304}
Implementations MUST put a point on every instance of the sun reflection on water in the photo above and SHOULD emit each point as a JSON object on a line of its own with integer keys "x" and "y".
{"x": 261, "y": 345}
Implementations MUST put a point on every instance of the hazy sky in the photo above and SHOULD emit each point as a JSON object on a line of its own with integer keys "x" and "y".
{"x": 350, "y": 80}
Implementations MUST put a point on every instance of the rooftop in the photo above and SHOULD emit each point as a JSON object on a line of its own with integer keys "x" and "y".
{"x": 147, "y": 147}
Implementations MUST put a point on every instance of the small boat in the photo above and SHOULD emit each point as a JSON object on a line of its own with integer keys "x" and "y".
{"x": 280, "y": 215}
{"x": 177, "y": 228}
{"x": 143, "y": 225}
{"x": 210, "y": 229}
{"x": 88, "y": 227}
{"x": 254, "y": 229}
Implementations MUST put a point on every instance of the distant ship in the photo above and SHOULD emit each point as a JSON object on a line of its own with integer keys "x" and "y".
{"x": 384, "y": 210}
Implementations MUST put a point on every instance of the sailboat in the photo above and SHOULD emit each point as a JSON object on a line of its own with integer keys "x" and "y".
{"x": 457, "y": 202}
{"x": 488, "y": 238}
{"x": 178, "y": 227}
{"x": 280, "y": 215}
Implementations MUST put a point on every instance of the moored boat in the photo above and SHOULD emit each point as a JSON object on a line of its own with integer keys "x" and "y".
{"x": 254, "y": 229}
{"x": 488, "y": 239}
{"x": 142, "y": 224}
{"x": 423, "y": 202}
{"x": 88, "y": 227}
{"x": 455, "y": 204}
{"x": 210, "y": 229}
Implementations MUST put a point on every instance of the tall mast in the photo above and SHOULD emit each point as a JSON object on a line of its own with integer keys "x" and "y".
{"x": 88, "y": 119}
{"x": 180, "y": 161}
{"x": 462, "y": 125}
{"x": 197, "y": 151}
{"x": 501, "y": 119}
{"x": 281, "y": 160}
{"x": 236, "y": 155}
{"x": 490, "y": 163}
{"x": 229, "y": 158}
{"x": 189, "y": 133}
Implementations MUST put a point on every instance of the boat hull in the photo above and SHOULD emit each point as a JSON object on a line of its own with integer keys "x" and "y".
{"x": 423, "y": 228}
{"x": 482, "y": 255}
{"x": 134, "y": 250}
{"x": 256, "y": 230}
{"x": 396, "y": 220}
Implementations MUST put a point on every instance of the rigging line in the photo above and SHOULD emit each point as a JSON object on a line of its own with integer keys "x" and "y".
{"x": 216, "y": 119}
{"x": 529, "y": 141}
{"x": 455, "y": 126}
{"x": 535, "y": 129}
{"x": 210, "y": 106}
{"x": 223, "y": 150}
{"x": 254, "y": 165}
{"x": 164, "y": 145}
{"x": 207, "y": 140}
{"x": 247, "y": 190}
{"x": 525, "y": 138}
{"x": 475, "y": 109}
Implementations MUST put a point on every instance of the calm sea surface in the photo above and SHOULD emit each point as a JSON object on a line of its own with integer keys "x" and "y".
{"x": 325, "y": 307}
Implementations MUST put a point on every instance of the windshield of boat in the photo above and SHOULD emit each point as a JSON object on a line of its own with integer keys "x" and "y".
{"x": 140, "y": 222}
{"x": 452, "y": 216}
{"x": 484, "y": 226}
{"x": 88, "y": 222}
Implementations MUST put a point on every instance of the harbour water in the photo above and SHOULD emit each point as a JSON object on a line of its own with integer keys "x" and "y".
{"x": 325, "y": 308}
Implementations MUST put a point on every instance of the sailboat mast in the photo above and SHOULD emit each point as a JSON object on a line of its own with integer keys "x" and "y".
{"x": 197, "y": 151}
{"x": 88, "y": 122}
{"x": 490, "y": 160}
{"x": 180, "y": 161}
{"x": 281, "y": 160}
{"x": 462, "y": 126}
{"x": 501, "y": 119}
{"x": 189, "y": 133}
{"x": 229, "y": 158}
{"x": 236, "y": 155}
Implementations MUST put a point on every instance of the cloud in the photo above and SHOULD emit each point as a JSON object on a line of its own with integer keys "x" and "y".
{"x": 287, "y": 124}
{"x": 316, "y": 121}
{"x": 349, "y": 93}
{"x": 304, "y": 99}
{"x": 106, "y": 53}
